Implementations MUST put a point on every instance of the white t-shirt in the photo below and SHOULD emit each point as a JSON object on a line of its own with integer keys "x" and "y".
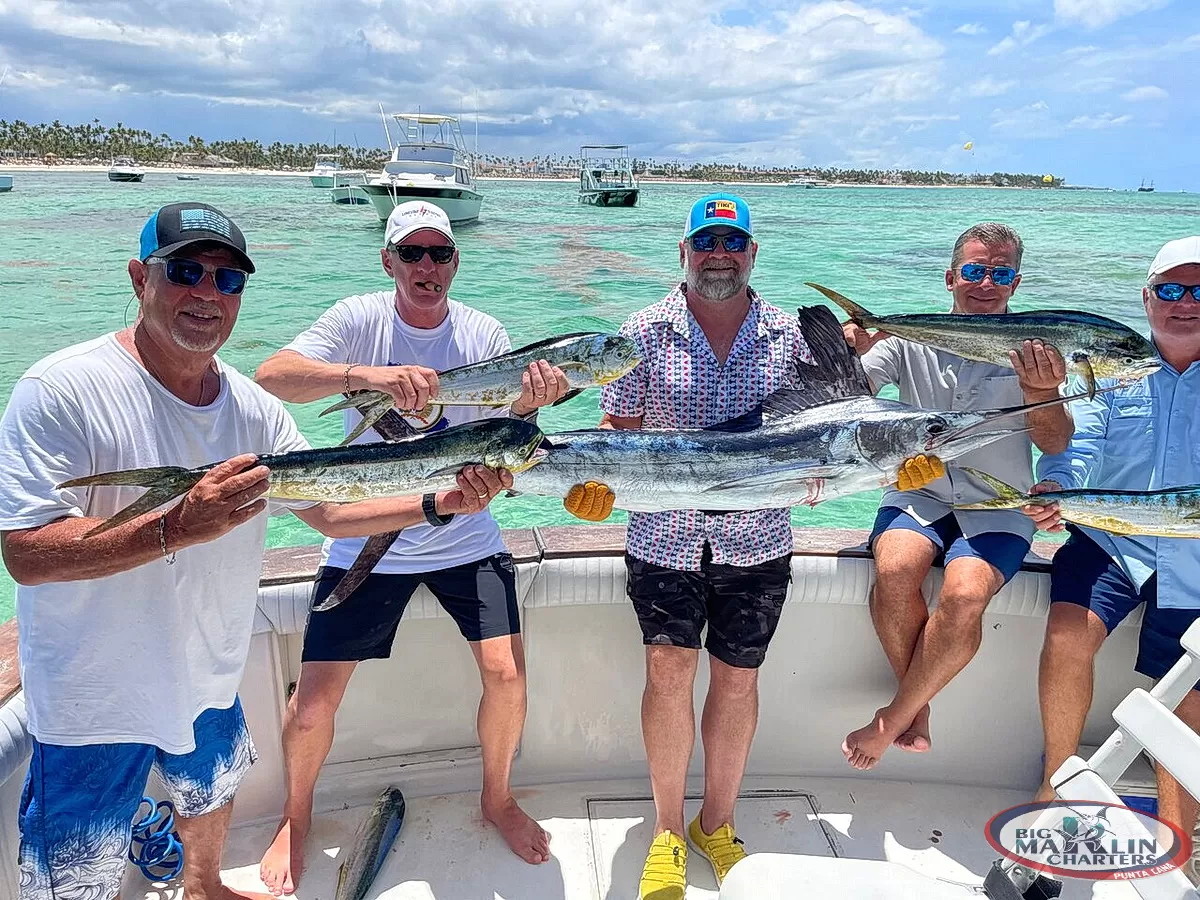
{"x": 366, "y": 329}
{"x": 136, "y": 656}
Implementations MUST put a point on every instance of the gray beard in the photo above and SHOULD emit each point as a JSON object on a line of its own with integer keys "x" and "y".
{"x": 718, "y": 287}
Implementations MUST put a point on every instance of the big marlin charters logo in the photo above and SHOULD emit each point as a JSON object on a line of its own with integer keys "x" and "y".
{"x": 1089, "y": 839}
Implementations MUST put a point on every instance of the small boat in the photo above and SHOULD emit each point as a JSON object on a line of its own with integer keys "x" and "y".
{"x": 1144, "y": 188}
{"x": 326, "y": 170}
{"x": 188, "y": 177}
{"x": 606, "y": 178}
{"x": 6, "y": 183}
{"x": 429, "y": 163}
{"x": 807, "y": 181}
{"x": 349, "y": 195}
{"x": 125, "y": 169}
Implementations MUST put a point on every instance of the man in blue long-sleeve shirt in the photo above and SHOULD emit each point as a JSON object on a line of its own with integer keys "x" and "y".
{"x": 1143, "y": 436}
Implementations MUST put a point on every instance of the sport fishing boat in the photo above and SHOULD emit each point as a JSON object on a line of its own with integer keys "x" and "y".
{"x": 125, "y": 169}
{"x": 606, "y": 177}
{"x": 430, "y": 162}
{"x": 913, "y": 827}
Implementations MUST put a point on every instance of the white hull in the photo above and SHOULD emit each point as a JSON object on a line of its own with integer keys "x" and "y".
{"x": 410, "y": 721}
{"x": 460, "y": 204}
{"x": 321, "y": 181}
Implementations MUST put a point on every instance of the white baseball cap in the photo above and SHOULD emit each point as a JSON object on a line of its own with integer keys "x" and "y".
{"x": 415, "y": 216}
{"x": 1175, "y": 253}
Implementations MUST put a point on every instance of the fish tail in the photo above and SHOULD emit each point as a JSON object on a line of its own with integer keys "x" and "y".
{"x": 358, "y": 400}
{"x": 165, "y": 484}
{"x": 859, "y": 315}
{"x": 1007, "y": 496}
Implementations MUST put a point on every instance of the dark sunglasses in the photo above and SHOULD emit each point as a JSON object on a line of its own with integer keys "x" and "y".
{"x": 706, "y": 242}
{"x": 1171, "y": 291}
{"x": 189, "y": 272}
{"x": 1001, "y": 275}
{"x": 411, "y": 253}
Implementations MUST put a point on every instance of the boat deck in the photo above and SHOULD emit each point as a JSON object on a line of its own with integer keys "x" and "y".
{"x": 600, "y": 831}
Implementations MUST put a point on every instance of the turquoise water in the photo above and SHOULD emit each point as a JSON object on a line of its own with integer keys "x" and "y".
{"x": 544, "y": 265}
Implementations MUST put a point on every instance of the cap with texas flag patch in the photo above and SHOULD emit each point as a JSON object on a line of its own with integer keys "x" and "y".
{"x": 718, "y": 209}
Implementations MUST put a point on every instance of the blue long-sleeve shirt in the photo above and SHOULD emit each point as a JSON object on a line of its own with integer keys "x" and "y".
{"x": 1141, "y": 437}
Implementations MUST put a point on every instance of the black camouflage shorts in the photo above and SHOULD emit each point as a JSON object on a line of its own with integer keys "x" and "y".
{"x": 740, "y": 604}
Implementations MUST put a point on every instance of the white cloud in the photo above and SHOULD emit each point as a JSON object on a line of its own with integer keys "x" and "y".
{"x": 1098, "y": 13}
{"x": 970, "y": 28}
{"x": 1023, "y": 34}
{"x": 1096, "y": 123}
{"x": 1146, "y": 92}
{"x": 1033, "y": 120}
{"x": 989, "y": 87}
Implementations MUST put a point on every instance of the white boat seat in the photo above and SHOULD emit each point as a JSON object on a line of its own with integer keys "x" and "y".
{"x": 787, "y": 876}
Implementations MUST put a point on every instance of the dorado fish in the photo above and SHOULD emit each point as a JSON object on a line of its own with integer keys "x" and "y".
{"x": 372, "y": 842}
{"x": 823, "y": 437}
{"x": 587, "y": 359}
{"x": 1092, "y": 346}
{"x": 408, "y": 467}
{"x": 1170, "y": 512}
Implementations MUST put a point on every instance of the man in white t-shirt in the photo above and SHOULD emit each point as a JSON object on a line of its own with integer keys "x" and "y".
{"x": 133, "y": 640}
{"x": 397, "y": 341}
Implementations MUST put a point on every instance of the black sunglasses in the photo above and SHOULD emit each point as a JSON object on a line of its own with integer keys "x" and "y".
{"x": 411, "y": 253}
{"x": 189, "y": 272}
{"x": 1172, "y": 291}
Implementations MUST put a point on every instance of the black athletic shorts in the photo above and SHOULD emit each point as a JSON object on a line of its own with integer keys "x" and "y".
{"x": 480, "y": 596}
{"x": 740, "y": 604}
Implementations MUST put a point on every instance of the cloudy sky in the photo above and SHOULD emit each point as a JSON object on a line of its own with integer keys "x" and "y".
{"x": 1102, "y": 92}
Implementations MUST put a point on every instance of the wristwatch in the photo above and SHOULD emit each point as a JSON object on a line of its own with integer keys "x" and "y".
{"x": 431, "y": 515}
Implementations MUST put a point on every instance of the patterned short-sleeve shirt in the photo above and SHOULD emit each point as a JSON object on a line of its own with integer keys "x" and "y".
{"x": 680, "y": 384}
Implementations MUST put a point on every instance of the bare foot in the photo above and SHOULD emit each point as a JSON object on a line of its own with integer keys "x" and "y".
{"x": 283, "y": 862}
{"x": 915, "y": 738}
{"x": 221, "y": 892}
{"x": 864, "y": 747}
{"x": 525, "y": 837}
{"x": 1044, "y": 794}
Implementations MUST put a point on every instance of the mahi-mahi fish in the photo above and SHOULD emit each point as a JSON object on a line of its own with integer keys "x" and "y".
{"x": 587, "y": 359}
{"x": 412, "y": 466}
{"x": 1168, "y": 512}
{"x": 372, "y": 842}
{"x": 1091, "y": 346}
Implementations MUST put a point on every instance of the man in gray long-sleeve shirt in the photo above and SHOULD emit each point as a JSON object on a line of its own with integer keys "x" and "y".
{"x": 914, "y": 530}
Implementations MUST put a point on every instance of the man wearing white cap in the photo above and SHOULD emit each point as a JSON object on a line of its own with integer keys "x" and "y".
{"x": 397, "y": 341}
{"x": 1142, "y": 436}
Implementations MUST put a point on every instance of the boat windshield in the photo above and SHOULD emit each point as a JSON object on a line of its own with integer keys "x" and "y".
{"x": 420, "y": 167}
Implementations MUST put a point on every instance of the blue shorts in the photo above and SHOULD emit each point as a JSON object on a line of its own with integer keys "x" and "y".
{"x": 1084, "y": 574}
{"x": 79, "y": 803}
{"x": 1004, "y": 551}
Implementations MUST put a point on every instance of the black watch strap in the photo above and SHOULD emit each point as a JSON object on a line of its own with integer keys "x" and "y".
{"x": 431, "y": 515}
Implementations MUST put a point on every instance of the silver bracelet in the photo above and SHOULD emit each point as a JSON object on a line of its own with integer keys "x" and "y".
{"x": 162, "y": 539}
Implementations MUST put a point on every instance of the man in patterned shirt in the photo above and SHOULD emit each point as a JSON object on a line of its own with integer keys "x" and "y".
{"x": 712, "y": 350}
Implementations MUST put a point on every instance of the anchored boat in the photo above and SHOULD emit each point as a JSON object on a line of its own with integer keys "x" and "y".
{"x": 606, "y": 177}
{"x": 431, "y": 163}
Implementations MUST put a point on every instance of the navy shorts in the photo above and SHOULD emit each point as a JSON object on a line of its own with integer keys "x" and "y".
{"x": 1004, "y": 551}
{"x": 480, "y": 596}
{"x": 1084, "y": 574}
{"x": 79, "y": 802}
{"x": 740, "y": 604}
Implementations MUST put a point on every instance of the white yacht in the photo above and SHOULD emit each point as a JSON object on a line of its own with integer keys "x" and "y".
{"x": 606, "y": 177}
{"x": 912, "y": 828}
{"x": 125, "y": 169}
{"x": 430, "y": 162}
{"x": 327, "y": 172}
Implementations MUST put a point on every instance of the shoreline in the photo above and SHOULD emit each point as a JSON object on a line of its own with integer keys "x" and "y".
{"x": 10, "y": 168}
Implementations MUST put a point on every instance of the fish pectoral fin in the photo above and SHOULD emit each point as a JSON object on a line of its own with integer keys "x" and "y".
{"x": 569, "y": 395}
{"x": 1192, "y": 516}
{"x": 358, "y": 401}
{"x": 1089, "y": 376}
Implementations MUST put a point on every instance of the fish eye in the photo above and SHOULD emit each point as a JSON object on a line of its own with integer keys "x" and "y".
{"x": 936, "y": 425}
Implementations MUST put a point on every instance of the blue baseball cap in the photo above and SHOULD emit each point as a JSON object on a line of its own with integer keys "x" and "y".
{"x": 178, "y": 225}
{"x": 718, "y": 209}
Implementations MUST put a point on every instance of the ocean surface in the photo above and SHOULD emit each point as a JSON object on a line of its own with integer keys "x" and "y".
{"x": 545, "y": 265}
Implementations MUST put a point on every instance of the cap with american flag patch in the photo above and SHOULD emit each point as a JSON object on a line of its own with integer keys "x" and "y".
{"x": 179, "y": 225}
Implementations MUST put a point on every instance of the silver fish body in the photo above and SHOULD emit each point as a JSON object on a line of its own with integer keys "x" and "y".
{"x": 1092, "y": 346}
{"x": 1169, "y": 512}
{"x": 372, "y": 842}
{"x": 409, "y": 467}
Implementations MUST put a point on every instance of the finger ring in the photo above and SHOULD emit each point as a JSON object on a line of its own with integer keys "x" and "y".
{"x": 481, "y": 496}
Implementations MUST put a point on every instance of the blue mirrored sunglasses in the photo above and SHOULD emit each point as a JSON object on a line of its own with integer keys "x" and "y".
{"x": 706, "y": 242}
{"x": 1001, "y": 275}
{"x": 1172, "y": 291}
{"x": 189, "y": 272}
